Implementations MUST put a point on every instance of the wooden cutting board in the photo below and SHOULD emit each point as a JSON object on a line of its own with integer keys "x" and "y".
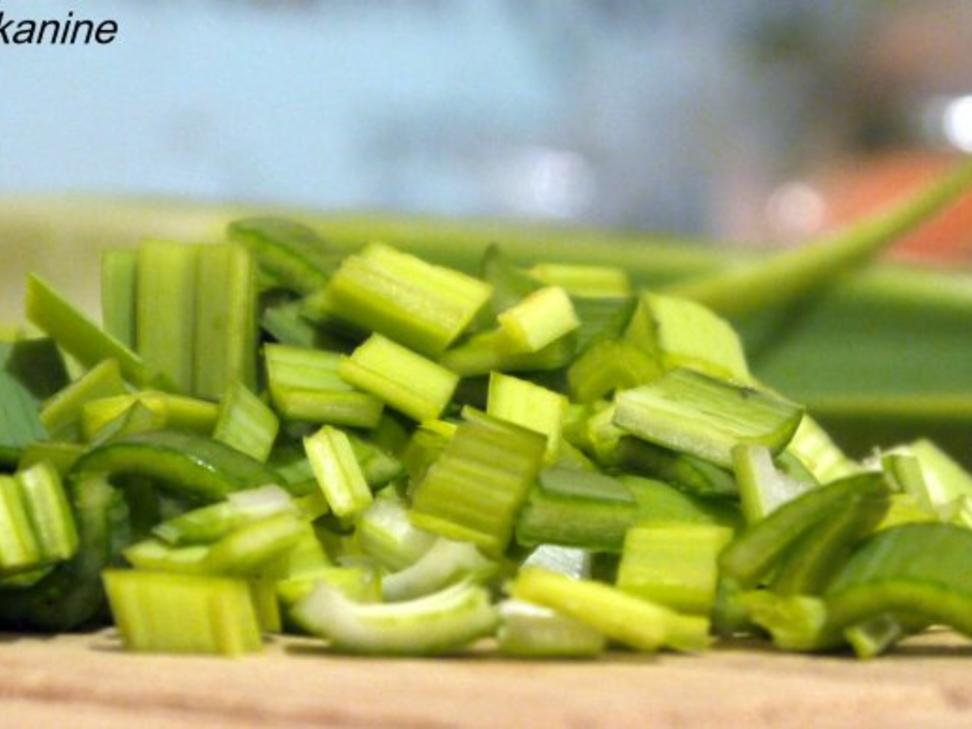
{"x": 76, "y": 682}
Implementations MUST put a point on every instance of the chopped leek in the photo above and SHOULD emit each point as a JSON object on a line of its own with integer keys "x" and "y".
{"x": 586, "y": 281}
{"x": 531, "y": 631}
{"x": 62, "y": 413}
{"x": 246, "y": 423}
{"x": 407, "y": 382}
{"x": 524, "y": 403}
{"x": 337, "y": 472}
{"x": 118, "y": 277}
{"x": 538, "y": 320}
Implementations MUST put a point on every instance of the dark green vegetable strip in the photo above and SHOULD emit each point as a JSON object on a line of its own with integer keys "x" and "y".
{"x": 754, "y": 553}
{"x": 188, "y": 464}
{"x": 292, "y": 253}
{"x": 916, "y": 569}
{"x": 30, "y": 372}
{"x": 61, "y": 414}
{"x": 118, "y": 278}
{"x": 693, "y": 474}
{"x": 786, "y": 276}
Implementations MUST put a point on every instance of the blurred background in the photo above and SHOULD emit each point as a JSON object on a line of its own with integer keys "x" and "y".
{"x": 752, "y": 120}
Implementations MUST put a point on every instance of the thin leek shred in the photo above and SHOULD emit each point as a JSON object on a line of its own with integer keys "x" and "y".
{"x": 531, "y": 631}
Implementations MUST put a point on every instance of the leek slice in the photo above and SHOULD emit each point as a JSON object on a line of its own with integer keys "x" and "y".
{"x": 293, "y": 254}
{"x": 442, "y": 622}
{"x": 539, "y": 319}
{"x": 584, "y": 281}
{"x": 531, "y": 406}
{"x": 337, "y": 472}
{"x": 762, "y": 487}
{"x": 531, "y": 631}
{"x": 61, "y": 414}
{"x": 407, "y": 382}
{"x": 118, "y": 280}
{"x": 246, "y": 423}
{"x": 444, "y": 563}
{"x": 637, "y": 623}
{"x": 48, "y": 511}
{"x": 693, "y": 413}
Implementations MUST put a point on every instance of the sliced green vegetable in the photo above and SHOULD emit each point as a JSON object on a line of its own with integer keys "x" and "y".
{"x": 637, "y": 623}
{"x": 305, "y": 386}
{"x": 18, "y": 544}
{"x": 538, "y": 320}
{"x": 677, "y": 332}
{"x": 425, "y": 307}
{"x": 169, "y": 613}
{"x": 584, "y": 281}
{"x": 531, "y": 631}
{"x": 687, "y": 471}
{"x": 48, "y": 512}
{"x": 386, "y": 534}
{"x": 337, "y": 471}
{"x": 696, "y": 414}
{"x": 224, "y": 349}
{"x": 293, "y": 254}
{"x": 673, "y": 564}
{"x": 407, "y": 382}
{"x": 166, "y": 310}
{"x": 488, "y": 351}
{"x": 118, "y": 280}
{"x": 874, "y": 636}
{"x": 187, "y": 464}
{"x": 246, "y": 423}
{"x": 531, "y": 406}
{"x": 80, "y": 337}
{"x": 442, "y": 622}
{"x": 763, "y": 488}
{"x": 475, "y": 489}
{"x": 62, "y": 456}
{"x": 61, "y": 414}
{"x": 796, "y": 622}
{"x": 444, "y": 563}
{"x": 609, "y": 365}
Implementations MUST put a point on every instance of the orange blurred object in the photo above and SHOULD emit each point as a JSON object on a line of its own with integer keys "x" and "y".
{"x": 853, "y": 190}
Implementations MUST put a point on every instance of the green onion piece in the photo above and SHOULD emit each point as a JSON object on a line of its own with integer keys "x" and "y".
{"x": 637, "y": 623}
{"x": 662, "y": 503}
{"x": 62, "y": 456}
{"x": 914, "y": 569}
{"x": 944, "y": 479}
{"x": 210, "y": 523}
{"x": 386, "y": 534}
{"x": 287, "y": 325}
{"x": 584, "y": 281}
{"x": 904, "y": 508}
{"x": 154, "y": 555}
{"x": 538, "y": 320}
{"x": 681, "y": 333}
{"x": 30, "y": 370}
{"x": 263, "y": 593}
{"x": 423, "y": 449}
{"x": 139, "y": 418}
{"x": 686, "y": 471}
{"x": 26, "y": 579}
{"x": 531, "y": 631}
{"x": 531, "y": 406}
{"x": 796, "y": 622}
{"x": 79, "y": 336}
{"x": 810, "y": 564}
{"x": 510, "y": 283}
{"x": 488, "y": 351}
{"x": 246, "y": 423}
{"x": 225, "y": 345}
{"x": 245, "y": 551}
{"x": 575, "y": 508}
{"x": 185, "y": 463}
{"x": 609, "y": 365}
{"x": 813, "y": 447}
{"x": 788, "y": 275}
{"x": 305, "y": 386}
{"x": 444, "y": 563}
{"x": 475, "y": 489}
{"x": 874, "y": 636}
{"x": 425, "y": 307}
{"x": 674, "y": 565}
{"x": 61, "y": 414}
{"x": 356, "y": 583}
{"x": 694, "y": 413}
{"x": 405, "y": 381}
{"x": 166, "y": 309}
{"x": 169, "y": 613}
{"x": 378, "y": 467}
{"x": 293, "y": 254}
{"x": 762, "y": 487}
{"x": 49, "y": 512}
{"x": 118, "y": 273}
{"x": 120, "y": 414}
{"x": 19, "y": 549}
{"x": 573, "y": 458}
{"x": 602, "y": 319}
{"x": 337, "y": 472}
{"x": 442, "y": 622}
{"x": 757, "y": 550}
{"x": 70, "y": 596}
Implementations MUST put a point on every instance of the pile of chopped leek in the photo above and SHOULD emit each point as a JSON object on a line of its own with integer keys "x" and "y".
{"x": 272, "y": 436}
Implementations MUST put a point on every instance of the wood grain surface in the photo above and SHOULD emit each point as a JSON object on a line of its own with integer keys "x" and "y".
{"x": 79, "y": 682}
